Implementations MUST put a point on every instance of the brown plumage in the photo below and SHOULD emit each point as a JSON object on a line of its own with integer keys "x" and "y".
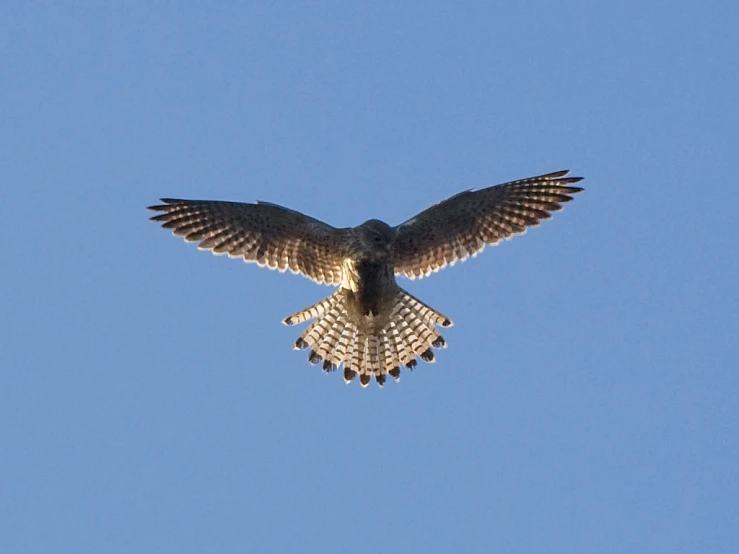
{"x": 369, "y": 325}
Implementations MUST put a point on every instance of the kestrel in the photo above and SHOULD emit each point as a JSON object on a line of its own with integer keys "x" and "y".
{"x": 370, "y": 324}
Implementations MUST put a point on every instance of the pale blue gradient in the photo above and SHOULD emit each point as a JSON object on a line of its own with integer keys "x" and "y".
{"x": 150, "y": 400}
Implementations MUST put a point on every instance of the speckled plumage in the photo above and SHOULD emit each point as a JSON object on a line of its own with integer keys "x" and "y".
{"x": 370, "y": 325}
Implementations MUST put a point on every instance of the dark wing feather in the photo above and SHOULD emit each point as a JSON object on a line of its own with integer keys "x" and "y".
{"x": 264, "y": 233}
{"x": 464, "y": 224}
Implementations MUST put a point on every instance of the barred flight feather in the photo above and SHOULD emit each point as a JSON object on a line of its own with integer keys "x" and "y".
{"x": 335, "y": 340}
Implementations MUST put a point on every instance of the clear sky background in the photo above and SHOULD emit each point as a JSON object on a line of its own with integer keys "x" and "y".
{"x": 150, "y": 400}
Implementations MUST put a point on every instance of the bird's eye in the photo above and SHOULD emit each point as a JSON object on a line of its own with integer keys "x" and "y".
{"x": 377, "y": 239}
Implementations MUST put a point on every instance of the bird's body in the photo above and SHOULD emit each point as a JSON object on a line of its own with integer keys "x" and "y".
{"x": 368, "y": 272}
{"x": 370, "y": 324}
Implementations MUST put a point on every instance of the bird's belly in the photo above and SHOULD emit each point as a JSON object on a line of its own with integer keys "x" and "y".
{"x": 371, "y": 292}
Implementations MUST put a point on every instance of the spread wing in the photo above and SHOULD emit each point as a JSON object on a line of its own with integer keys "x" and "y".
{"x": 264, "y": 233}
{"x": 464, "y": 224}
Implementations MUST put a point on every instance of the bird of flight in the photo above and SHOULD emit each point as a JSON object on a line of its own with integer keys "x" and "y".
{"x": 370, "y": 325}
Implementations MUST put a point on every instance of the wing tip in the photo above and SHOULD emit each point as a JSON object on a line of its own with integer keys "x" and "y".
{"x": 562, "y": 177}
{"x": 166, "y": 202}
{"x": 164, "y": 208}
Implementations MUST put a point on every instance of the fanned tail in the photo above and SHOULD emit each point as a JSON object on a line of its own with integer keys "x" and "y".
{"x": 334, "y": 339}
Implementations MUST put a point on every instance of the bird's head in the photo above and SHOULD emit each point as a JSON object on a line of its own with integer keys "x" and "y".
{"x": 376, "y": 237}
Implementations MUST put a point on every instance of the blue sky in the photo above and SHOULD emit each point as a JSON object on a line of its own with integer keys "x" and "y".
{"x": 150, "y": 400}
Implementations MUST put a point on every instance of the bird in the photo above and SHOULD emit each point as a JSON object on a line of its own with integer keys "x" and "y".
{"x": 370, "y": 326}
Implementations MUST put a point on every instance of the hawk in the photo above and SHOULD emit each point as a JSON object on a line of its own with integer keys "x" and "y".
{"x": 370, "y": 325}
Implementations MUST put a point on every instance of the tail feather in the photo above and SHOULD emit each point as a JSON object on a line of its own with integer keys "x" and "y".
{"x": 359, "y": 361}
{"x": 345, "y": 339}
{"x": 318, "y": 330}
{"x": 424, "y": 311}
{"x": 311, "y": 312}
{"x": 381, "y": 370}
{"x": 409, "y": 338}
{"x": 374, "y": 352}
{"x": 421, "y": 328}
{"x": 328, "y": 345}
{"x": 396, "y": 350}
{"x": 335, "y": 339}
{"x": 388, "y": 352}
{"x": 406, "y": 350}
{"x": 349, "y": 366}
